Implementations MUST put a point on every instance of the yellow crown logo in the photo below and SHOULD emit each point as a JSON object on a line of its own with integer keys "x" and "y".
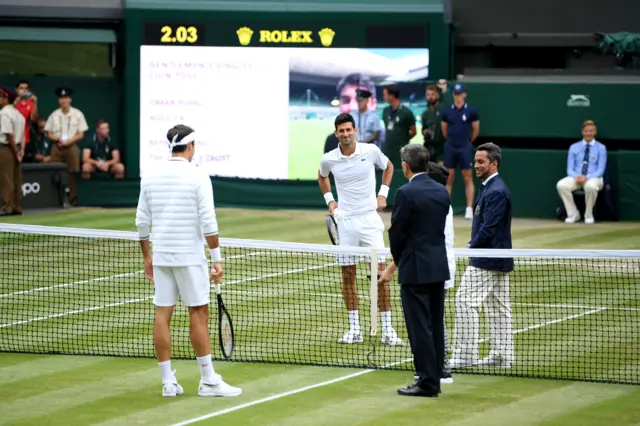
{"x": 244, "y": 35}
{"x": 326, "y": 36}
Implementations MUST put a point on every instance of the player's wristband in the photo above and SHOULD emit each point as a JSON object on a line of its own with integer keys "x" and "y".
{"x": 328, "y": 197}
{"x": 384, "y": 191}
{"x": 143, "y": 232}
{"x": 215, "y": 254}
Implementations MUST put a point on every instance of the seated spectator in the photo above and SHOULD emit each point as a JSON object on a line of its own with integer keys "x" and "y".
{"x": 586, "y": 164}
{"x": 103, "y": 155}
{"x": 39, "y": 149}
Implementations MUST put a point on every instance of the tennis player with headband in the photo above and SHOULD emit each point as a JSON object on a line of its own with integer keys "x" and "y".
{"x": 176, "y": 200}
{"x": 352, "y": 165}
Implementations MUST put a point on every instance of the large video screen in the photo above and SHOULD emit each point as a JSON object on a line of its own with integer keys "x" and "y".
{"x": 261, "y": 112}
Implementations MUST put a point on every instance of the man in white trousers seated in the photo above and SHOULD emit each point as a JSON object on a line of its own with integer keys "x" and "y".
{"x": 176, "y": 203}
{"x": 586, "y": 164}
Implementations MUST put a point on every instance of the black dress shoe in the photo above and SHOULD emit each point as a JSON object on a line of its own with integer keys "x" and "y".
{"x": 16, "y": 214}
{"x": 415, "y": 390}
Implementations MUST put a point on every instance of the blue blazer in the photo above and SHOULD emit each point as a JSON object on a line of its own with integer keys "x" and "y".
{"x": 416, "y": 235}
{"x": 491, "y": 227}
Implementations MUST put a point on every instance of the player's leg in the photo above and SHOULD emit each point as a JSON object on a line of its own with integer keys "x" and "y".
{"x": 349, "y": 290}
{"x": 371, "y": 234}
{"x": 499, "y": 319}
{"x": 450, "y": 163}
{"x": 194, "y": 287}
{"x": 446, "y": 368}
{"x": 466, "y": 166}
{"x": 165, "y": 299}
{"x": 473, "y": 291}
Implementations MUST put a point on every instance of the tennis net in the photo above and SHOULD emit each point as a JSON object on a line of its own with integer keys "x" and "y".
{"x": 576, "y": 314}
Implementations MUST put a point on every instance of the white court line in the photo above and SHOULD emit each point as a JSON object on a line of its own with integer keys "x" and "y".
{"x": 125, "y": 302}
{"x": 351, "y": 376}
{"x": 94, "y": 280}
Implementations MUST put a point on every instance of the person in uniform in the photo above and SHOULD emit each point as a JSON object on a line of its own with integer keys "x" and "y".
{"x": 431, "y": 129}
{"x": 65, "y": 128}
{"x": 400, "y": 124}
{"x": 103, "y": 155}
{"x": 11, "y": 154}
{"x": 367, "y": 121}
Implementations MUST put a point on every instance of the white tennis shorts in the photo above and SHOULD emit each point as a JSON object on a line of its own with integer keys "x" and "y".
{"x": 191, "y": 283}
{"x": 363, "y": 230}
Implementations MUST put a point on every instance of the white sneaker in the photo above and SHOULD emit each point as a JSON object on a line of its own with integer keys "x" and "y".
{"x": 468, "y": 213}
{"x": 352, "y": 336}
{"x": 446, "y": 380}
{"x": 218, "y": 388}
{"x": 572, "y": 219}
{"x": 459, "y": 363}
{"x": 173, "y": 388}
{"x": 589, "y": 220}
{"x": 494, "y": 361}
{"x": 391, "y": 338}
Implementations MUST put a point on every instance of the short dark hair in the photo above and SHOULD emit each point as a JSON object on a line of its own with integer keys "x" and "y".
{"x": 416, "y": 156}
{"x": 494, "y": 153}
{"x": 393, "y": 90}
{"x": 433, "y": 88}
{"x": 438, "y": 173}
{"x": 344, "y": 118}
{"x": 101, "y": 122}
{"x": 181, "y": 130}
{"x": 22, "y": 82}
{"x": 359, "y": 80}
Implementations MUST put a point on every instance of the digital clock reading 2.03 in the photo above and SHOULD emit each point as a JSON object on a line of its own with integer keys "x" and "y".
{"x": 178, "y": 34}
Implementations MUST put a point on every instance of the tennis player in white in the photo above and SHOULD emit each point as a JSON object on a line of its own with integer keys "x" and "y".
{"x": 353, "y": 167}
{"x": 176, "y": 201}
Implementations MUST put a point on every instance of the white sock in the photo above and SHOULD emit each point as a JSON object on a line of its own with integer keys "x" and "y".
{"x": 354, "y": 322}
{"x": 167, "y": 374}
{"x": 386, "y": 320}
{"x": 206, "y": 368}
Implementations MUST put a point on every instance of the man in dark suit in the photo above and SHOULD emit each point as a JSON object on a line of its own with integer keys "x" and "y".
{"x": 486, "y": 280}
{"x": 417, "y": 244}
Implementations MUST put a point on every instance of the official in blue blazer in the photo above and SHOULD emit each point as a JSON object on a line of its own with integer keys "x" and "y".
{"x": 417, "y": 242}
{"x": 486, "y": 280}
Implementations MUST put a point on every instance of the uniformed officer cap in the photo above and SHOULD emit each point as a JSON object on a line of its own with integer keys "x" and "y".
{"x": 459, "y": 88}
{"x": 363, "y": 94}
{"x": 7, "y": 93}
{"x": 64, "y": 92}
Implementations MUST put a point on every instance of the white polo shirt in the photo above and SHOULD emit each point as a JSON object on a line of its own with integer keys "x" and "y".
{"x": 355, "y": 177}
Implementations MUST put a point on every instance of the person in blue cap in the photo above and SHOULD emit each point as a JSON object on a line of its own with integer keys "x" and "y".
{"x": 461, "y": 127}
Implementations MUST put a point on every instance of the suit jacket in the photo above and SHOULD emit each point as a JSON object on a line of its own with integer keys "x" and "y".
{"x": 491, "y": 227}
{"x": 416, "y": 235}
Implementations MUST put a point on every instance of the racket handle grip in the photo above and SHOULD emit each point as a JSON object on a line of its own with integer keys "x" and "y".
{"x": 218, "y": 290}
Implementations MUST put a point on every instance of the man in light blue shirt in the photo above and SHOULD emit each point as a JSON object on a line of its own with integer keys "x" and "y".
{"x": 586, "y": 164}
{"x": 367, "y": 122}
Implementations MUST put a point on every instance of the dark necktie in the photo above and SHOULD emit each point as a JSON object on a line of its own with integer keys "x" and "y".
{"x": 585, "y": 160}
{"x": 482, "y": 188}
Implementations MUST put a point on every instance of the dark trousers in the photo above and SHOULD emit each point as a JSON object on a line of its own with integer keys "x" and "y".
{"x": 424, "y": 314}
{"x": 10, "y": 181}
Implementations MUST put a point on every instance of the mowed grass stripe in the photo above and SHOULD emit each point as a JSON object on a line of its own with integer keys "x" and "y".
{"x": 545, "y": 406}
{"x": 45, "y": 365}
{"x": 256, "y": 380}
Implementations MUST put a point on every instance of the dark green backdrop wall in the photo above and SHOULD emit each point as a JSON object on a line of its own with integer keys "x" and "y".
{"x": 531, "y": 175}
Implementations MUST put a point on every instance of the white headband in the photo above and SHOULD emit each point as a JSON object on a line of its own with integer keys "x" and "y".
{"x": 191, "y": 137}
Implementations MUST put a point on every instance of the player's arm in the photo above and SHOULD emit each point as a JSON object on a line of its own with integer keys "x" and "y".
{"x": 209, "y": 225}
{"x": 143, "y": 223}
{"x": 444, "y": 126}
{"x": 496, "y": 208}
{"x": 449, "y": 237}
{"x": 412, "y": 127}
{"x": 325, "y": 185}
{"x": 383, "y": 163}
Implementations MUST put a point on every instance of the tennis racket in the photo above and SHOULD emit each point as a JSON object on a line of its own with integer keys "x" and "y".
{"x": 332, "y": 228}
{"x": 225, "y": 327}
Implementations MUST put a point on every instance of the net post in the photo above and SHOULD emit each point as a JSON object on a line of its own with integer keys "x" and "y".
{"x": 374, "y": 291}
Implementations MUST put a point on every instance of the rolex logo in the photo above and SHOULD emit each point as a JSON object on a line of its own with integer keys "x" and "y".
{"x": 326, "y": 36}
{"x": 244, "y": 35}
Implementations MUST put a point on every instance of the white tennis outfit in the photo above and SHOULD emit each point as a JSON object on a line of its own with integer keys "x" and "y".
{"x": 176, "y": 199}
{"x": 359, "y": 224}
